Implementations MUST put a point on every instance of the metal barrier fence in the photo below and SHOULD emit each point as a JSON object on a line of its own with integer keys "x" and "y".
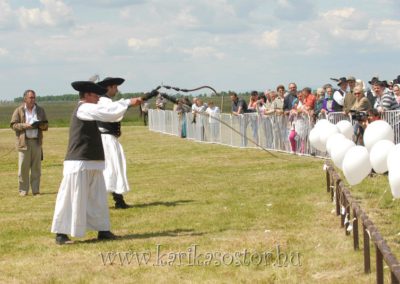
{"x": 274, "y": 132}
{"x": 350, "y": 215}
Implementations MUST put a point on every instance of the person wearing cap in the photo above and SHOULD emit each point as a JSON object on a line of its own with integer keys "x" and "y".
{"x": 349, "y": 98}
{"x": 115, "y": 171}
{"x": 339, "y": 95}
{"x": 29, "y": 121}
{"x": 82, "y": 197}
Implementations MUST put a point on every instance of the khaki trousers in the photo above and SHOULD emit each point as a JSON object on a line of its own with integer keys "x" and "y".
{"x": 30, "y": 160}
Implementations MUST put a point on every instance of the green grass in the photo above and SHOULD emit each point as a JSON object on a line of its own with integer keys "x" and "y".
{"x": 184, "y": 193}
{"x": 59, "y": 113}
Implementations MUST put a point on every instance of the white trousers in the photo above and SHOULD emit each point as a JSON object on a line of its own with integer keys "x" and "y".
{"x": 115, "y": 171}
{"x": 81, "y": 204}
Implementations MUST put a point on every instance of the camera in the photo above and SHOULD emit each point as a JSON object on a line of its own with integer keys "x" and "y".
{"x": 358, "y": 115}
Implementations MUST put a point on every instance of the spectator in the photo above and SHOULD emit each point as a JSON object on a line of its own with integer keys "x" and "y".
{"x": 198, "y": 110}
{"x": 396, "y": 92}
{"x": 29, "y": 121}
{"x": 319, "y": 102}
{"x": 308, "y": 100}
{"x": 144, "y": 107}
{"x": 213, "y": 115}
{"x": 329, "y": 104}
{"x": 349, "y": 98}
{"x": 339, "y": 95}
{"x": 290, "y": 99}
{"x": 279, "y": 100}
{"x": 239, "y": 106}
{"x": 385, "y": 99}
{"x": 183, "y": 107}
{"x": 252, "y": 102}
{"x": 160, "y": 102}
{"x": 371, "y": 96}
{"x": 361, "y": 104}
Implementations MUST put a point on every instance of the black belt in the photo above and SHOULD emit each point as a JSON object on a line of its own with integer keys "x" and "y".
{"x": 27, "y": 138}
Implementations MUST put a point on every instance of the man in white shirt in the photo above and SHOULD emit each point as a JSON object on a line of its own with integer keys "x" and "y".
{"x": 82, "y": 198}
{"x": 338, "y": 95}
{"x": 115, "y": 171}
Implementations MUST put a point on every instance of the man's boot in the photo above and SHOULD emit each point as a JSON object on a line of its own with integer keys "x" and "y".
{"x": 119, "y": 201}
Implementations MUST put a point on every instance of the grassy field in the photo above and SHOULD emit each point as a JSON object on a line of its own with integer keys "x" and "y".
{"x": 59, "y": 113}
{"x": 250, "y": 217}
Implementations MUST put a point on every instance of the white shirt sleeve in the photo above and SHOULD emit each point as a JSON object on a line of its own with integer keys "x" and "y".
{"x": 111, "y": 112}
{"x": 338, "y": 97}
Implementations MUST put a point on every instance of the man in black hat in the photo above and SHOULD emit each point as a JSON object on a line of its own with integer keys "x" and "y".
{"x": 371, "y": 96}
{"x": 115, "y": 171}
{"x": 339, "y": 95}
{"x": 82, "y": 197}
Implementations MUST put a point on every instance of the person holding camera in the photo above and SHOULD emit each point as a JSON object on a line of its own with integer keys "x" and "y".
{"x": 359, "y": 112}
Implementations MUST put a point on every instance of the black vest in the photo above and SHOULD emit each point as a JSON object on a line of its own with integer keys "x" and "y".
{"x": 113, "y": 128}
{"x": 84, "y": 140}
{"x": 337, "y": 107}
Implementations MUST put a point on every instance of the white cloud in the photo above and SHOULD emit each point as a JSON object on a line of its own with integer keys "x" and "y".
{"x": 385, "y": 32}
{"x": 53, "y": 13}
{"x": 6, "y": 13}
{"x": 137, "y": 43}
{"x": 204, "y": 51}
{"x": 3, "y": 51}
{"x": 270, "y": 38}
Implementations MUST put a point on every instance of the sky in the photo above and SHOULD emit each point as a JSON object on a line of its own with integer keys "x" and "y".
{"x": 238, "y": 45}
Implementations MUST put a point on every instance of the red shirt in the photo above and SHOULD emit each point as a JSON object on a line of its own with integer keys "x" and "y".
{"x": 309, "y": 101}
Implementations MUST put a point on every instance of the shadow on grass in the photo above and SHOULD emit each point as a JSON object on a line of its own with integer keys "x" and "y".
{"x": 171, "y": 233}
{"x": 157, "y": 203}
{"x": 162, "y": 203}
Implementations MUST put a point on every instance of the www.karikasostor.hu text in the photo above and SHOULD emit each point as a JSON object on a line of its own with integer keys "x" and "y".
{"x": 194, "y": 257}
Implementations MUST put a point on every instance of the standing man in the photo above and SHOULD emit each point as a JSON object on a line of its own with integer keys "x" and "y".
{"x": 290, "y": 98}
{"x": 349, "y": 98}
{"x": 115, "y": 171}
{"x": 338, "y": 96}
{"x": 29, "y": 121}
{"x": 82, "y": 197}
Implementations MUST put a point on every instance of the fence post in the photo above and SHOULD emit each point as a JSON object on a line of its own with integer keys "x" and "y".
{"x": 355, "y": 231}
{"x": 337, "y": 197}
{"x": 328, "y": 179}
{"x": 367, "y": 260}
{"x": 379, "y": 265}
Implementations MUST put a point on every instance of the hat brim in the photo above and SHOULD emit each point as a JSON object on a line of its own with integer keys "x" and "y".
{"x": 88, "y": 87}
{"x": 111, "y": 82}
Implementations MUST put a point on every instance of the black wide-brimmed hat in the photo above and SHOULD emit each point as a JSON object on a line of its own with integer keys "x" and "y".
{"x": 88, "y": 87}
{"x": 110, "y": 81}
{"x": 342, "y": 80}
{"x": 373, "y": 80}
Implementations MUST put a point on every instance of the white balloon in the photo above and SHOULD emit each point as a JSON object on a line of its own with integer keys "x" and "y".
{"x": 356, "y": 164}
{"x": 339, "y": 150}
{"x": 332, "y": 140}
{"x": 394, "y": 182}
{"x": 314, "y": 140}
{"x": 345, "y": 128}
{"x": 376, "y": 131}
{"x": 393, "y": 158}
{"x": 322, "y": 123}
{"x": 327, "y": 131}
{"x": 378, "y": 155}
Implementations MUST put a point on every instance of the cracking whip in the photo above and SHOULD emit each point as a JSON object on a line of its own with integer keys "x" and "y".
{"x": 188, "y": 108}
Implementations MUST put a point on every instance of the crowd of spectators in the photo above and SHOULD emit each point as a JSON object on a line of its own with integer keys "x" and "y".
{"x": 345, "y": 95}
